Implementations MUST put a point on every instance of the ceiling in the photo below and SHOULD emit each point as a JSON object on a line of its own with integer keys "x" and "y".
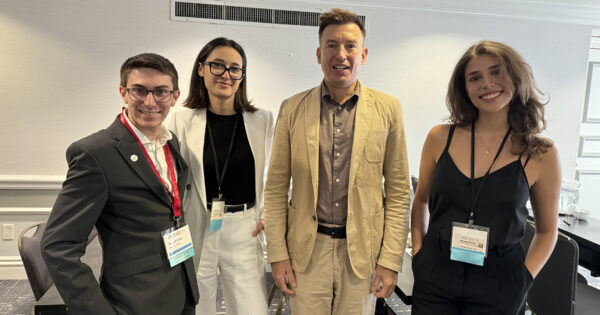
{"x": 585, "y": 12}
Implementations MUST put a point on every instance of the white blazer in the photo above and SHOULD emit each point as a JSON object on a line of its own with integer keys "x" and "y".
{"x": 190, "y": 125}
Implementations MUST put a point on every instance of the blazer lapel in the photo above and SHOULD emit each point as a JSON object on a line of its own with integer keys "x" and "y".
{"x": 131, "y": 152}
{"x": 362, "y": 125}
{"x": 255, "y": 136}
{"x": 312, "y": 121}
{"x": 194, "y": 137}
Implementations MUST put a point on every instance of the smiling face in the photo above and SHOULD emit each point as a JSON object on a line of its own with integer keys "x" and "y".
{"x": 341, "y": 54}
{"x": 488, "y": 83}
{"x": 147, "y": 114}
{"x": 221, "y": 87}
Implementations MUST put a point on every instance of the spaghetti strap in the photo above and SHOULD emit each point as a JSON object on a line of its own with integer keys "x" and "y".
{"x": 450, "y": 134}
{"x": 527, "y": 161}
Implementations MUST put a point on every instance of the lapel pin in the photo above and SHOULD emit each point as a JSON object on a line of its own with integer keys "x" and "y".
{"x": 133, "y": 158}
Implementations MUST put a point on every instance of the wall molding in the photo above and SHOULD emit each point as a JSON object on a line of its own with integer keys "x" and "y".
{"x": 11, "y": 261}
{"x": 24, "y": 210}
{"x": 11, "y": 268}
{"x": 31, "y": 182}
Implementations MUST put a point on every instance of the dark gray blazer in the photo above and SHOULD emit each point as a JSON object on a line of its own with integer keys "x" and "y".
{"x": 127, "y": 203}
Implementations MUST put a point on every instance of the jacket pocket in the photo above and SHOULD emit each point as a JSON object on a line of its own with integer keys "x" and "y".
{"x": 375, "y": 146}
{"x": 137, "y": 265}
{"x": 377, "y": 222}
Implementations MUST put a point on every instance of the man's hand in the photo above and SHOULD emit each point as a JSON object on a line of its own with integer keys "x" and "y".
{"x": 384, "y": 282}
{"x": 281, "y": 270}
{"x": 259, "y": 227}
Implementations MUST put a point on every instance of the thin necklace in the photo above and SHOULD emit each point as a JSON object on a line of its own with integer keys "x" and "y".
{"x": 487, "y": 149}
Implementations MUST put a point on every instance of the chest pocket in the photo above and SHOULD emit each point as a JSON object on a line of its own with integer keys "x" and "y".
{"x": 375, "y": 146}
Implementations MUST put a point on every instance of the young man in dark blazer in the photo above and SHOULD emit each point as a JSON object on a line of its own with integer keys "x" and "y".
{"x": 126, "y": 180}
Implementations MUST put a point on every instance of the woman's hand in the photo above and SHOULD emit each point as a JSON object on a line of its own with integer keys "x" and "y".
{"x": 260, "y": 226}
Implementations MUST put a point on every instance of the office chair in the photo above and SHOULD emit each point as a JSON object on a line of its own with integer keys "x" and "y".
{"x": 31, "y": 255}
{"x": 556, "y": 289}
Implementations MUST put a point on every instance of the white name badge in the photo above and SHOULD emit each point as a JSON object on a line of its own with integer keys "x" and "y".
{"x": 469, "y": 243}
{"x": 216, "y": 215}
{"x": 178, "y": 243}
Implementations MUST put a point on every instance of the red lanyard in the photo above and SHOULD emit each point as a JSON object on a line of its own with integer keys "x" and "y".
{"x": 175, "y": 201}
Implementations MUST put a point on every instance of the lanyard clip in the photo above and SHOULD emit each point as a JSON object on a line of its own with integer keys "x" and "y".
{"x": 471, "y": 219}
{"x": 177, "y": 221}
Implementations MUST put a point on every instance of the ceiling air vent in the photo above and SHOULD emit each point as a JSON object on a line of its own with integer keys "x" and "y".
{"x": 231, "y": 14}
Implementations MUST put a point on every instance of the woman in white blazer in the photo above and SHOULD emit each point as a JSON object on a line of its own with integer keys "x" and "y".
{"x": 226, "y": 142}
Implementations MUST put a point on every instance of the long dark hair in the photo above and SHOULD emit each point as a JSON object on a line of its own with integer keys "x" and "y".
{"x": 198, "y": 95}
{"x": 526, "y": 109}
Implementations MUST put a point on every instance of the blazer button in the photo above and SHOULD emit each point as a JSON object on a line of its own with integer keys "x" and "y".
{"x": 188, "y": 186}
{"x": 314, "y": 218}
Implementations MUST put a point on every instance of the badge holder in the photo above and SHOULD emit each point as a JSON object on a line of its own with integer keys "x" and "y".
{"x": 218, "y": 204}
{"x": 178, "y": 243}
{"x": 469, "y": 243}
{"x": 217, "y": 213}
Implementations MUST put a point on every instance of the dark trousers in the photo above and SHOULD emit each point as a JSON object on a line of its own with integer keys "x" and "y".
{"x": 444, "y": 286}
{"x": 189, "y": 307}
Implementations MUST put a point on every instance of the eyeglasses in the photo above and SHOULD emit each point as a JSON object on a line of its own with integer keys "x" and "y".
{"x": 160, "y": 95}
{"x": 219, "y": 69}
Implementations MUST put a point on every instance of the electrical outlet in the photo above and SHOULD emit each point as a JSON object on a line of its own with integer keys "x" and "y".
{"x": 8, "y": 231}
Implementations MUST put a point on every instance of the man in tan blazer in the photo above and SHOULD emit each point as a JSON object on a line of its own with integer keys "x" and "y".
{"x": 342, "y": 233}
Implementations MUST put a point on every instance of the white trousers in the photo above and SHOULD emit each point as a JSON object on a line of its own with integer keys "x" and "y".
{"x": 238, "y": 258}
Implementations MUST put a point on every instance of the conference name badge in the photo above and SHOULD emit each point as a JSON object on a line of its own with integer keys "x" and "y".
{"x": 216, "y": 214}
{"x": 178, "y": 243}
{"x": 469, "y": 243}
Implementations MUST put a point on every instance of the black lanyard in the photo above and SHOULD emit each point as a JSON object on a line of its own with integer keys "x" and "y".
{"x": 221, "y": 175}
{"x": 474, "y": 196}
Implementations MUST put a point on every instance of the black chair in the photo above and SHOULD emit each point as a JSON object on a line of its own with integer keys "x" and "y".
{"x": 414, "y": 182}
{"x": 556, "y": 289}
{"x": 31, "y": 255}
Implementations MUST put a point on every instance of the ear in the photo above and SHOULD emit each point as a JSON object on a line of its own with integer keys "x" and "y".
{"x": 123, "y": 92}
{"x": 319, "y": 55}
{"x": 364, "y": 55}
{"x": 200, "y": 69}
{"x": 176, "y": 95}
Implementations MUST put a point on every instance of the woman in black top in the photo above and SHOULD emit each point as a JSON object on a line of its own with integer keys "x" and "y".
{"x": 226, "y": 142}
{"x": 475, "y": 178}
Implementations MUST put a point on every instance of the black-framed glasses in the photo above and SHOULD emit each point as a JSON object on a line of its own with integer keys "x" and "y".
{"x": 219, "y": 69}
{"x": 160, "y": 95}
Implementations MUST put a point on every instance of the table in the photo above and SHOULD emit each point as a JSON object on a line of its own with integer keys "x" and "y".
{"x": 51, "y": 303}
{"x": 587, "y": 235}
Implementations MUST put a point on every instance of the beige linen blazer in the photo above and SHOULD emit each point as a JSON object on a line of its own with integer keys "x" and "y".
{"x": 377, "y": 222}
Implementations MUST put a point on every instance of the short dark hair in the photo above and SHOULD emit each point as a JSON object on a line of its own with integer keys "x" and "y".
{"x": 526, "y": 109}
{"x": 198, "y": 94}
{"x": 337, "y": 17}
{"x": 152, "y": 61}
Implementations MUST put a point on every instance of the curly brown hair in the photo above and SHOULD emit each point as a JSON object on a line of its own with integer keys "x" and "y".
{"x": 526, "y": 109}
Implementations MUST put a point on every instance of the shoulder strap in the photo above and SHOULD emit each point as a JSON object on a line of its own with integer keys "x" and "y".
{"x": 450, "y": 134}
{"x": 527, "y": 160}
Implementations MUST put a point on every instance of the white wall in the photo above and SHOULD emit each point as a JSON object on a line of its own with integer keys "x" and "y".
{"x": 60, "y": 68}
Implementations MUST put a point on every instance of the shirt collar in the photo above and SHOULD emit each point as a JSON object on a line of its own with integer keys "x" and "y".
{"x": 326, "y": 95}
{"x": 164, "y": 134}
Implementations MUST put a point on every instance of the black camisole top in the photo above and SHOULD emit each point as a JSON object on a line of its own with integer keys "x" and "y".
{"x": 500, "y": 206}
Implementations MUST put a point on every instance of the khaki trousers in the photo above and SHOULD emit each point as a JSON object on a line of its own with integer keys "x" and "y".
{"x": 329, "y": 285}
